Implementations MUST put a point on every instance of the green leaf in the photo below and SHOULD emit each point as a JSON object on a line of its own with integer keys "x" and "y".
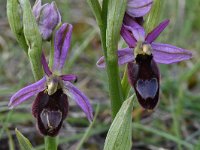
{"x": 13, "y": 13}
{"x": 120, "y": 132}
{"x": 125, "y": 84}
{"x": 23, "y": 141}
{"x": 96, "y": 9}
{"x": 33, "y": 39}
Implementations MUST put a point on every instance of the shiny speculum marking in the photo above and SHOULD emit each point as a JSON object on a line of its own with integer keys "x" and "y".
{"x": 147, "y": 88}
{"x": 51, "y": 119}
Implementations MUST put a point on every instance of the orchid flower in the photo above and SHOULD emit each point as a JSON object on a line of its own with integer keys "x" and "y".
{"x": 50, "y": 107}
{"x": 142, "y": 57}
{"x": 47, "y": 17}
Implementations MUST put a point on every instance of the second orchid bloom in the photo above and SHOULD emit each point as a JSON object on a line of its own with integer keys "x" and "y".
{"x": 50, "y": 107}
{"x": 142, "y": 57}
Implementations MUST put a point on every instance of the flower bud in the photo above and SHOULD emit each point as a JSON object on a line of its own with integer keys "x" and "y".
{"x": 138, "y": 8}
{"x": 135, "y": 11}
{"x": 47, "y": 17}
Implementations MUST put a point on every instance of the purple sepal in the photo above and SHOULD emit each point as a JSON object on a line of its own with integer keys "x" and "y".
{"x": 156, "y": 31}
{"x": 27, "y": 92}
{"x": 167, "y": 54}
{"x": 80, "y": 98}
{"x": 61, "y": 45}
{"x": 125, "y": 55}
{"x": 45, "y": 66}
{"x": 47, "y": 17}
{"x": 138, "y": 8}
{"x": 69, "y": 77}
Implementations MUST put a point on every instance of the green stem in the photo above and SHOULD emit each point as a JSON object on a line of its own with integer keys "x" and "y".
{"x": 104, "y": 26}
{"x": 115, "y": 89}
{"x": 115, "y": 14}
{"x": 111, "y": 67}
{"x": 101, "y": 14}
{"x": 102, "y": 128}
{"x": 113, "y": 78}
{"x": 51, "y": 143}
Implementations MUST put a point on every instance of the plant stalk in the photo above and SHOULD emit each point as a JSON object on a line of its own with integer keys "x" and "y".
{"x": 115, "y": 91}
{"x": 51, "y": 143}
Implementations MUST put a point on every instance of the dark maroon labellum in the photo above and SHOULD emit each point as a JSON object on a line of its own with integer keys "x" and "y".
{"x": 50, "y": 111}
{"x": 144, "y": 77}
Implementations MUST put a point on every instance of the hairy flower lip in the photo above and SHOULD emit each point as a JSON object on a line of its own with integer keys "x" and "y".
{"x": 144, "y": 76}
{"x": 46, "y": 110}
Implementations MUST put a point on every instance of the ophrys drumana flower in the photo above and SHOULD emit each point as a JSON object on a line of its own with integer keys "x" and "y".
{"x": 50, "y": 107}
{"x": 142, "y": 55}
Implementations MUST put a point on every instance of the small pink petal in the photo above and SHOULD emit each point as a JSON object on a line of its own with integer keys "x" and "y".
{"x": 156, "y": 32}
{"x": 45, "y": 66}
{"x": 61, "y": 45}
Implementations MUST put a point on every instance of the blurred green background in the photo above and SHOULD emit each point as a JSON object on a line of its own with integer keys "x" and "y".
{"x": 175, "y": 124}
